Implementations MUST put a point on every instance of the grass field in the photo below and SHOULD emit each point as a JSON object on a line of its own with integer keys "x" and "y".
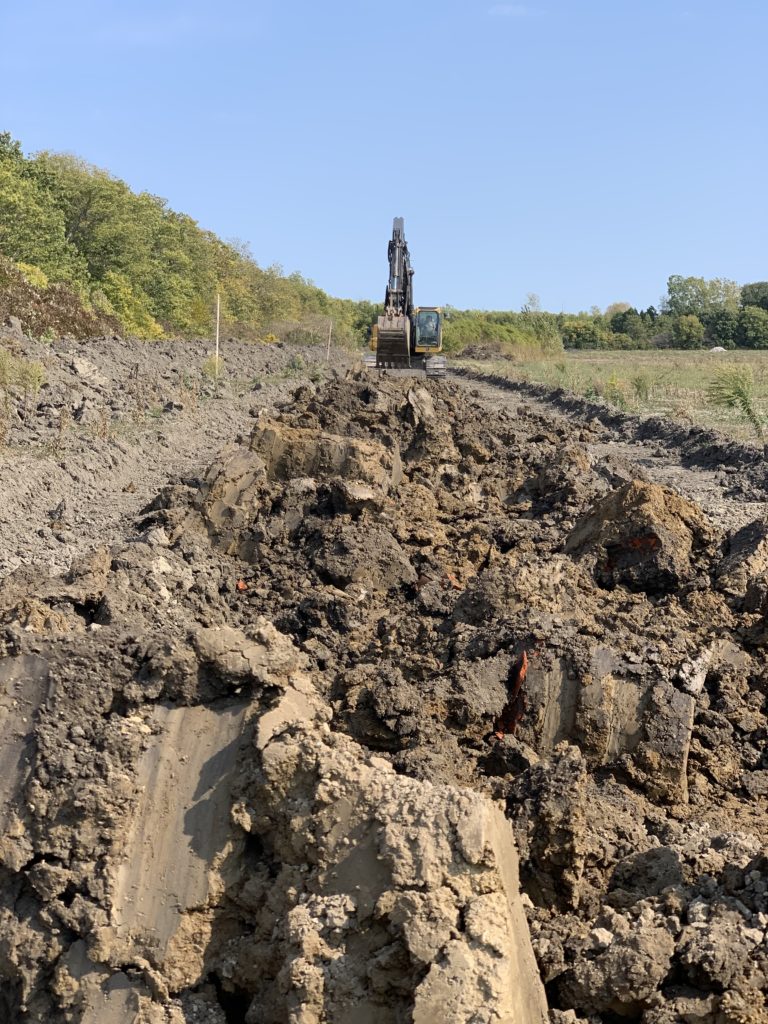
{"x": 660, "y": 382}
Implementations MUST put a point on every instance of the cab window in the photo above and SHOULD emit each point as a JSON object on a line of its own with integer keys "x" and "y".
{"x": 427, "y": 327}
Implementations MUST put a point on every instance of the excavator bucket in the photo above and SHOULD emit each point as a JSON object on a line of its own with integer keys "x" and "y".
{"x": 393, "y": 343}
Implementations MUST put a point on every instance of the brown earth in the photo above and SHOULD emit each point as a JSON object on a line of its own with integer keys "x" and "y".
{"x": 366, "y": 694}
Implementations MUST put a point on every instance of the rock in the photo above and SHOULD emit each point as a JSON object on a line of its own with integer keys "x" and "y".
{"x": 692, "y": 674}
{"x": 267, "y": 658}
{"x": 88, "y": 414}
{"x": 90, "y": 373}
{"x": 421, "y": 405}
{"x": 643, "y": 536}
{"x": 396, "y": 863}
{"x": 352, "y": 498}
{"x": 718, "y": 951}
{"x": 12, "y": 328}
{"x": 649, "y": 872}
{"x": 683, "y": 1004}
{"x": 755, "y": 783}
{"x": 25, "y": 685}
{"x": 510, "y": 756}
{"x": 553, "y": 794}
{"x": 625, "y": 974}
{"x": 346, "y": 554}
{"x": 746, "y": 563}
{"x": 294, "y": 452}
{"x": 567, "y": 477}
{"x": 660, "y": 760}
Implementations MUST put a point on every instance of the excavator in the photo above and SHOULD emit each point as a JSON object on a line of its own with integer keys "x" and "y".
{"x": 406, "y": 336}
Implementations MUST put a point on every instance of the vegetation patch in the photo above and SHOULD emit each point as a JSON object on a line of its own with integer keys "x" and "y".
{"x": 694, "y": 387}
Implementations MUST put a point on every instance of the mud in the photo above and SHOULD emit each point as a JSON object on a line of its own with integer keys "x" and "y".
{"x": 415, "y": 702}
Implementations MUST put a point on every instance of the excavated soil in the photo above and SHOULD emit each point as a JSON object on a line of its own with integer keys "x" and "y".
{"x": 416, "y": 701}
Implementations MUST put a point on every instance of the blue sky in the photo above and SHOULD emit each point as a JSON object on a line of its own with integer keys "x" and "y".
{"x": 580, "y": 150}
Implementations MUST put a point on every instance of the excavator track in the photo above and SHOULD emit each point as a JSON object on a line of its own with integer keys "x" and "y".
{"x": 434, "y": 367}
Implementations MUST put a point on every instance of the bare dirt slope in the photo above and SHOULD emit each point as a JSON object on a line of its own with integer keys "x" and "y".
{"x": 113, "y": 422}
{"x": 286, "y": 737}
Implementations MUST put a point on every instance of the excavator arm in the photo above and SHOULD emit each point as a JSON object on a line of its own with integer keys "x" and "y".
{"x": 393, "y": 337}
{"x": 399, "y": 295}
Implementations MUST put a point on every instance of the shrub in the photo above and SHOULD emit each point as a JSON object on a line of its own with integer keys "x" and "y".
{"x": 33, "y": 275}
{"x": 641, "y": 385}
{"x": 119, "y": 298}
{"x": 212, "y": 367}
{"x": 615, "y": 391}
{"x": 734, "y": 388}
{"x": 580, "y": 332}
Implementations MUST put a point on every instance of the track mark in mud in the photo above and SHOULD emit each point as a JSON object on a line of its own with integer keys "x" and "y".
{"x": 180, "y": 829}
{"x": 23, "y": 688}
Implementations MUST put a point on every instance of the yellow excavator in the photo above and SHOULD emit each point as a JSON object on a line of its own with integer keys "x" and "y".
{"x": 406, "y": 336}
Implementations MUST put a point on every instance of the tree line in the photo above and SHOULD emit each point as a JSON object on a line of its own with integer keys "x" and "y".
{"x": 75, "y": 231}
{"x": 131, "y": 258}
{"x": 694, "y": 313}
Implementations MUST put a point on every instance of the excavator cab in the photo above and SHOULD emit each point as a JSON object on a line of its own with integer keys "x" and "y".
{"x": 427, "y": 329}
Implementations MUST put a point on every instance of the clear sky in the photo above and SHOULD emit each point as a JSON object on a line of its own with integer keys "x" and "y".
{"x": 583, "y": 150}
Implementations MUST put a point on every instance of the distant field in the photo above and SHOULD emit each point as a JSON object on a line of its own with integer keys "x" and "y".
{"x": 667, "y": 383}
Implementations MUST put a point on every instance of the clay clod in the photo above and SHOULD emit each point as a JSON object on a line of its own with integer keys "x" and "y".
{"x": 643, "y": 536}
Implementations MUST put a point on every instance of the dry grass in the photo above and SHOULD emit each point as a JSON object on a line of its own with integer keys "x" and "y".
{"x": 663, "y": 383}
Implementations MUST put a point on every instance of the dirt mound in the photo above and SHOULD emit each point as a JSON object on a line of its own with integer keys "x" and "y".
{"x": 114, "y": 422}
{"x": 278, "y": 740}
{"x": 645, "y": 537}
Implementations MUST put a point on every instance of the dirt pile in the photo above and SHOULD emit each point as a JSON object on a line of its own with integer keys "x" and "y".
{"x": 644, "y": 537}
{"x": 112, "y": 422}
{"x": 263, "y": 749}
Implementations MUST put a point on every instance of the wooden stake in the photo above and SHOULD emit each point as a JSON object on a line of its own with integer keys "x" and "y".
{"x": 218, "y": 313}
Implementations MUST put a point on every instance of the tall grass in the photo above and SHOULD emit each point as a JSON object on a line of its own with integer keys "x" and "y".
{"x": 734, "y": 388}
{"x": 17, "y": 375}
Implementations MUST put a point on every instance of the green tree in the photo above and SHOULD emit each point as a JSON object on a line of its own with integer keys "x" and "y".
{"x": 695, "y": 295}
{"x": 32, "y": 229}
{"x": 755, "y": 294}
{"x": 129, "y": 305}
{"x": 630, "y": 322}
{"x": 614, "y": 308}
{"x": 722, "y": 327}
{"x": 583, "y": 332}
{"x": 110, "y": 226}
{"x": 753, "y": 327}
{"x": 10, "y": 150}
{"x": 688, "y": 331}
